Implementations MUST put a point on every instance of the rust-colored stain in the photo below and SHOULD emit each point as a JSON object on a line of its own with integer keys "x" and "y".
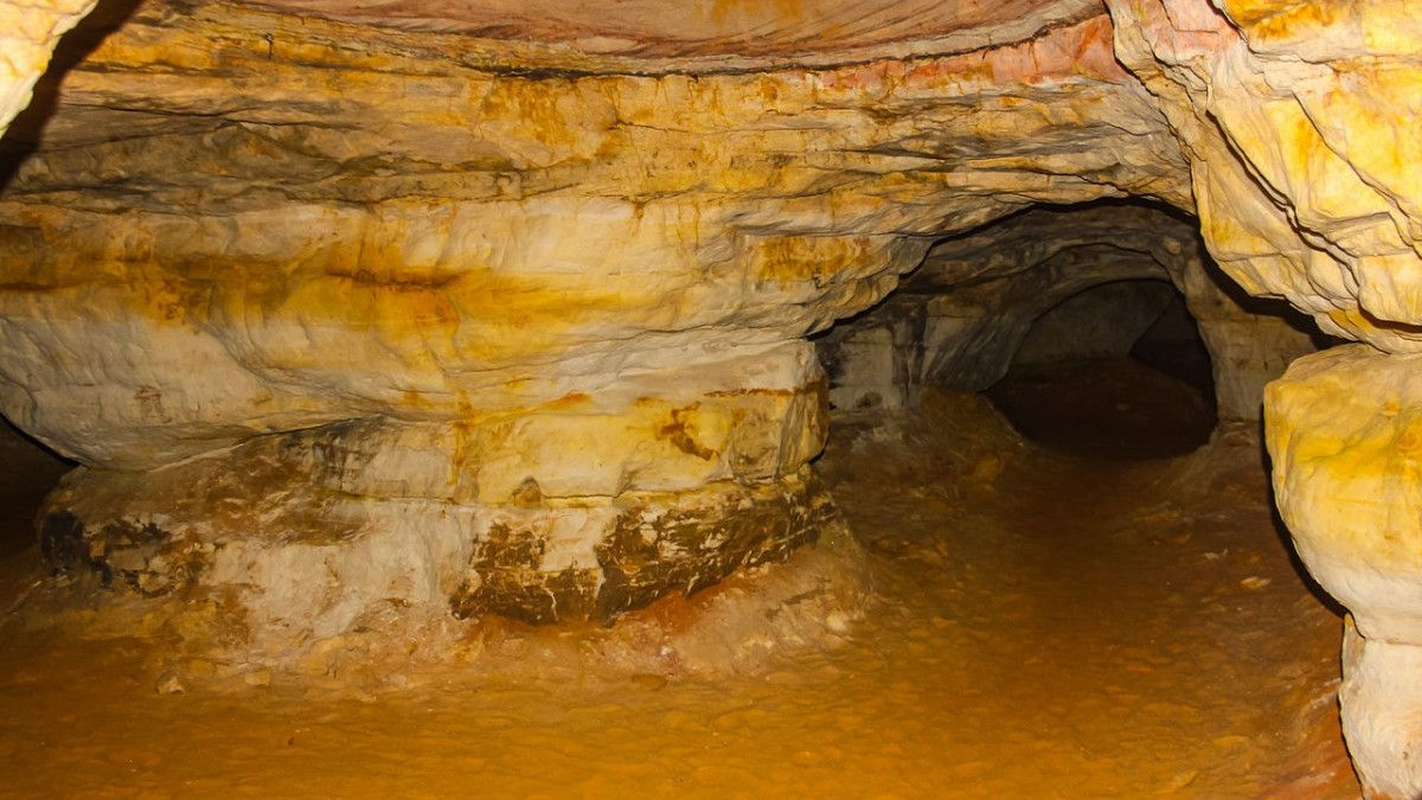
{"x": 680, "y": 431}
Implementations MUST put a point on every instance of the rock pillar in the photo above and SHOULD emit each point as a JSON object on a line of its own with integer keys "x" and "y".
{"x": 1344, "y": 429}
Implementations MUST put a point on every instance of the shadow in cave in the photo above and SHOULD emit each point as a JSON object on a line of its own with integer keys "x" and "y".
{"x": 28, "y": 471}
{"x": 22, "y": 138}
{"x": 1115, "y": 371}
{"x": 1286, "y": 539}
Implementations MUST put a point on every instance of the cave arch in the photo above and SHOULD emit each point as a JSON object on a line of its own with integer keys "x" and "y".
{"x": 960, "y": 317}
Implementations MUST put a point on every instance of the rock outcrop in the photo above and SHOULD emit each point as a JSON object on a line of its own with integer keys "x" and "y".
{"x": 1297, "y": 119}
{"x": 1345, "y": 428}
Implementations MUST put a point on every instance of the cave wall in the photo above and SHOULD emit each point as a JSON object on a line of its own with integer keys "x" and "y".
{"x": 538, "y": 307}
{"x": 1102, "y": 322}
{"x": 516, "y": 257}
{"x": 960, "y": 319}
{"x": 1297, "y": 119}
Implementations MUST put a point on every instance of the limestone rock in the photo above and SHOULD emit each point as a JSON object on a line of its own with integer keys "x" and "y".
{"x": 395, "y": 233}
{"x": 1343, "y": 429}
{"x": 460, "y": 287}
{"x": 468, "y": 296}
{"x": 1381, "y": 698}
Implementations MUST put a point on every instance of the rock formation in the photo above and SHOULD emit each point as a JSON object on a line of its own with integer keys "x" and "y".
{"x": 960, "y": 318}
{"x": 503, "y": 309}
{"x": 28, "y": 34}
{"x": 535, "y": 312}
{"x": 1296, "y": 118}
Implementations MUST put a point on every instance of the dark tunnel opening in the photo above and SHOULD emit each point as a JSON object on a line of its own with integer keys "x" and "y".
{"x": 1118, "y": 370}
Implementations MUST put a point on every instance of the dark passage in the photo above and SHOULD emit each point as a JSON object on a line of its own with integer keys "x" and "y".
{"x": 1117, "y": 371}
{"x": 27, "y": 473}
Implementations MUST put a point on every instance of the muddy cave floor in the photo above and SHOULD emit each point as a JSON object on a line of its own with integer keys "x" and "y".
{"x": 1039, "y": 625}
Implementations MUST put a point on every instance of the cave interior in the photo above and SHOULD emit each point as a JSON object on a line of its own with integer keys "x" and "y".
{"x": 538, "y": 398}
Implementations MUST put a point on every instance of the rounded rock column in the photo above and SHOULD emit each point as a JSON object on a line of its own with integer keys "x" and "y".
{"x": 1344, "y": 429}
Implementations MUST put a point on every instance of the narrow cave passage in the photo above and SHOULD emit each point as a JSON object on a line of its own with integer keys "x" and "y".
{"x": 1117, "y": 370}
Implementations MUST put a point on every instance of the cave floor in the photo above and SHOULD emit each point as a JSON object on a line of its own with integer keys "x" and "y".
{"x": 1042, "y": 626}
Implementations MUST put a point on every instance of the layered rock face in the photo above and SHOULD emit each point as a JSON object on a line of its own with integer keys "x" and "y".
{"x": 1295, "y": 117}
{"x": 440, "y": 318}
{"x": 960, "y": 320}
{"x": 503, "y": 309}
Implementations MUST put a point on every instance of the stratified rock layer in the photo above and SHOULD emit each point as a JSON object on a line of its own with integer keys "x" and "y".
{"x": 531, "y": 341}
{"x": 404, "y": 235}
{"x": 515, "y": 260}
{"x": 1297, "y": 119}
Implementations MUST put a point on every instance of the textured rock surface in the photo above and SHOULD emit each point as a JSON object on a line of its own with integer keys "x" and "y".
{"x": 960, "y": 319}
{"x": 498, "y": 294}
{"x": 420, "y": 261}
{"x": 1297, "y": 119}
{"x": 405, "y": 235}
{"x": 1344, "y": 428}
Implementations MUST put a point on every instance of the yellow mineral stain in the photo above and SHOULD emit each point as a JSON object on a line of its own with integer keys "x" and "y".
{"x": 792, "y": 259}
{"x": 534, "y": 105}
{"x": 1271, "y": 19}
